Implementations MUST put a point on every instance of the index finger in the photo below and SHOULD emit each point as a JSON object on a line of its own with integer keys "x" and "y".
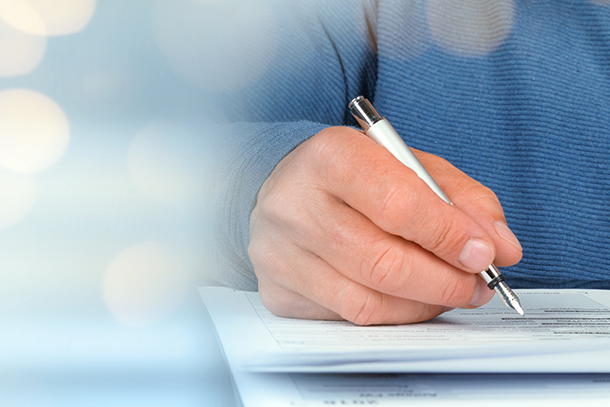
{"x": 369, "y": 179}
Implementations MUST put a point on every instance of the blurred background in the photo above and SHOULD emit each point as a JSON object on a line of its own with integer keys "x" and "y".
{"x": 105, "y": 173}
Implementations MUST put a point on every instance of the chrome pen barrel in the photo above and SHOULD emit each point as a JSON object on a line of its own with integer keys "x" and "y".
{"x": 381, "y": 131}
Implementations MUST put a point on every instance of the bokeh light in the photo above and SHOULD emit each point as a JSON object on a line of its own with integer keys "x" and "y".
{"x": 216, "y": 45}
{"x": 47, "y": 17}
{"x": 146, "y": 283}
{"x": 470, "y": 27}
{"x": 18, "y": 192}
{"x": 167, "y": 163}
{"x": 34, "y": 131}
{"x": 20, "y": 53}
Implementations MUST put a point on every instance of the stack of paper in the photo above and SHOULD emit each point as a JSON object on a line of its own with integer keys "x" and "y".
{"x": 564, "y": 331}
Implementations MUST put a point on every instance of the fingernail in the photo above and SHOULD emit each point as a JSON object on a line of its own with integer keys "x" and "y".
{"x": 506, "y": 234}
{"x": 482, "y": 294}
{"x": 476, "y": 255}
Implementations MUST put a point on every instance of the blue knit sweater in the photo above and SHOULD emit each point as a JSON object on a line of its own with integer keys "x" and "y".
{"x": 514, "y": 93}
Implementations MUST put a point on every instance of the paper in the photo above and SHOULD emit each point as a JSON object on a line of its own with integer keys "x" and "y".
{"x": 526, "y": 390}
{"x": 563, "y": 331}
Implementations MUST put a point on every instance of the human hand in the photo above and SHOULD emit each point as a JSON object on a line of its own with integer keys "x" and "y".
{"x": 343, "y": 230}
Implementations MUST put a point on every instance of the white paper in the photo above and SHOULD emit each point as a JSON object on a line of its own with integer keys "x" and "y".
{"x": 563, "y": 331}
{"x": 525, "y": 390}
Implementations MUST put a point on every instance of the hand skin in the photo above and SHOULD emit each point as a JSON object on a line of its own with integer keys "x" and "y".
{"x": 343, "y": 230}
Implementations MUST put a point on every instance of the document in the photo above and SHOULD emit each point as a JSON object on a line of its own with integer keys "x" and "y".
{"x": 399, "y": 389}
{"x": 563, "y": 331}
{"x": 558, "y": 353}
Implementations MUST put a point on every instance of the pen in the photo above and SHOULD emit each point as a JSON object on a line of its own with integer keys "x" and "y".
{"x": 381, "y": 131}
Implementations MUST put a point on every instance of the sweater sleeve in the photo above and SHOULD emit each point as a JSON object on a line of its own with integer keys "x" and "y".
{"x": 323, "y": 55}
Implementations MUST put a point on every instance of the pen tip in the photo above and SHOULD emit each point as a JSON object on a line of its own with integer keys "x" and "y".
{"x": 509, "y": 298}
{"x": 516, "y": 304}
{"x": 517, "y": 307}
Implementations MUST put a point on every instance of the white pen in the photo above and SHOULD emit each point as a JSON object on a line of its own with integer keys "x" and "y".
{"x": 381, "y": 131}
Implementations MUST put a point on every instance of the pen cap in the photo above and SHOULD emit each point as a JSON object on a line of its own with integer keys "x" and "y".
{"x": 364, "y": 112}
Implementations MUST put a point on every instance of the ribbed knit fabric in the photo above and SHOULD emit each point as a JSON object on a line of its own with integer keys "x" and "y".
{"x": 515, "y": 94}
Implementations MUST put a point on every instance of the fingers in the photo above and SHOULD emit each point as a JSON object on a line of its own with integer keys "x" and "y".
{"x": 479, "y": 203}
{"x": 359, "y": 250}
{"x": 286, "y": 303}
{"x": 336, "y": 298}
{"x": 341, "y": 229}
{"x": 366, "y": 177}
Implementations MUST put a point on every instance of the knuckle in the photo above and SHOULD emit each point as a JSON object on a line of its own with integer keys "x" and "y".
{"x": 480, "y": 196}
{"x": 281, "y": 195}
{"x": 396, "y": 206}
{"x": 323, "y": 143}
{"x": 444, "y": 236}
{"x": 259, "y": 252}
{"x": 424, "y": 312}
{"x": 268, "y": 256}
{"x": 448, "y": 294}
{"x": 270, "y": 302}
{"x": 474, "y": 188}
{"x": 454, "y": 294}
{"x": 270, "y": 204}
{"x": 487, "y": 193}
{"x": 278, "y": 305}
{"x": 361, "y": 308}
{"x": 283, "y": 302}
{"x": 389, "y": 270}
{"x": 326, "y": 149}
{"x": 440, "y": 234}
{"x": 279, "y": 206}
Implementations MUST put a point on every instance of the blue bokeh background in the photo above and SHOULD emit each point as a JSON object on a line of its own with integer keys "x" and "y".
{"x": 87, "y": 316}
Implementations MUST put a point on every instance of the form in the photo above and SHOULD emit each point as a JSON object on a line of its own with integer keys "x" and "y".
{"x": 558, "y": 354}
{"x": 563, "y": 331}
{"x": 400, "y": 389}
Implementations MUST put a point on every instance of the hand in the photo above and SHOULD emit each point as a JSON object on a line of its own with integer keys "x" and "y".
{"x": 343, "y": 230}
